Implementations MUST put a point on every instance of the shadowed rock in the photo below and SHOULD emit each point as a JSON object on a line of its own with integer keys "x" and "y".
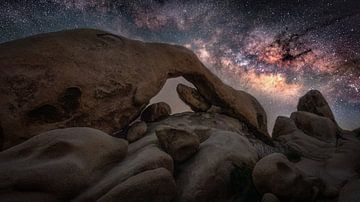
{"x": 192, "y": 98}
{"x": 277, "y": 175}
{"x": 207, "y": 175}
{"x": 269, "y": 197}
{"x": 350, "y": 192}
{"x": 316, "y": 126}
{"x": 311, "y": 139}
{"x": 314, "y": 102}
{"x": 225, "y": 148}
{"x": 84, "y": 164}
{"x": 93, "y": 78}
{"x": 136, "y": 131}
{"x": 283, "y": 126}
{"x": 57, "y": 164}
{"x": 153, "y": 185}
{"x": 156, "y": 112}
{"x": 357, "y": 132}
{"x": 179, "y": 143}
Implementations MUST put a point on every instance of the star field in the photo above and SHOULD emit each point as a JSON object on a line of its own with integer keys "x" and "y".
{"x": 276, "y": 50}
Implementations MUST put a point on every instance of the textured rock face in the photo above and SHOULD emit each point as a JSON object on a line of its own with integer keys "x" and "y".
{"x": 152, "y": 185}
{"x": 136, "y": 131}
{"x": 350, "y": 192}
{"x": 314, "y": 102}
{"x": 57, "y": 164}
{"x": 89, "y": 165}
{"x": 219, "y": 153}
{"x": 179, "y": 143}
{"x": 192, "y": 98}
{"x": 83, "y": 164}
{"x": 269, "y": 197}
{"x": 283, "y": 126}
{"x": 225, "y": 148}
{"x": 277, "y": 175}
{"x": 327, "y": 155}
{"x": 156, "y": 112}
{"x": 316, "y": 126}
{"x": 94, "y": 78}
{"x": 207, "y": 175}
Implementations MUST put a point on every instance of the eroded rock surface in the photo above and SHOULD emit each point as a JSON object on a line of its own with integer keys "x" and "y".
{"x": 207, "y": 176}
{"x": 269, "y": 197}
{"x": 283, "y": 126}
{"x": 350, "y": 192}
{"x": 220, "y": 152}
{"x": 179, "y": 143}
{"x": 314, "y": 102}
{"x": 152, "y": 185}
{"x": 58, "y": 164}
{"x": 156, "y": 112}
{"x": 192, "y": 98}
{"x": 97, "y": 79}
{"x": 316, "y": 126}
{"x": 136, "y": 131}
{"x": 277, "y": 175}
{"x": 323, "y": 152}
{"x": 226, "y": 150}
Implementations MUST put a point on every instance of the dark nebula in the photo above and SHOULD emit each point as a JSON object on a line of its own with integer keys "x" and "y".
{"x": 277, "y": 50}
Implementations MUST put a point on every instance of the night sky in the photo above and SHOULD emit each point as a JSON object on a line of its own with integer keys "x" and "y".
{"x": 276, "y": 50}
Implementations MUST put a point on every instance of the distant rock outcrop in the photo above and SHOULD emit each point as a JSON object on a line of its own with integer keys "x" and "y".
{"x": 325, "y": 154}
{"x": 316, "y": 126}
{"x": 314, "y": 102}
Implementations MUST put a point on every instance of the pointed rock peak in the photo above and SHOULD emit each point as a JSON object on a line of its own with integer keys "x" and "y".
{"x": 314, "y": 102}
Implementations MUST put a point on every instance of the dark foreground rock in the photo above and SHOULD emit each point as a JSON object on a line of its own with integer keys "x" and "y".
{"x": 57, "y": 164}
{"x": 226, "y": 149}
{"x": 276, "y": 174}
{"x": 83, "y": 164}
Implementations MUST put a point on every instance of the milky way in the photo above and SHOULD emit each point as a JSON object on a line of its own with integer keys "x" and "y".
{"x": 276, "y": 50}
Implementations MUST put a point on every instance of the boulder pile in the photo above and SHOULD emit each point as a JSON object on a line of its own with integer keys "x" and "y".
{"x": 75, "y": 125}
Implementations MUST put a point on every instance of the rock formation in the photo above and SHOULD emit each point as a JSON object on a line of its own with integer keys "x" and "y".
{"x": 276, "y": 174}
{"x": 63, "y": 93}
{"x": 321, "y": 152}
{"x": 97, "y": 79}
{"x": 136, "y": 131}
{"x": 156, "y": 112}
{"x": 179, "y": 143}
{"x": 314, "y": 102}
{"x": 192, "y": 98}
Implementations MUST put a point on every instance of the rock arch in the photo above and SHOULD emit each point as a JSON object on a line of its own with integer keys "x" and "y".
{"x": 117, "y": 77}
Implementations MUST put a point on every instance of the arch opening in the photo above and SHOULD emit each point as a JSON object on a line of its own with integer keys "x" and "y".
{"x": 169, "y": 95}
